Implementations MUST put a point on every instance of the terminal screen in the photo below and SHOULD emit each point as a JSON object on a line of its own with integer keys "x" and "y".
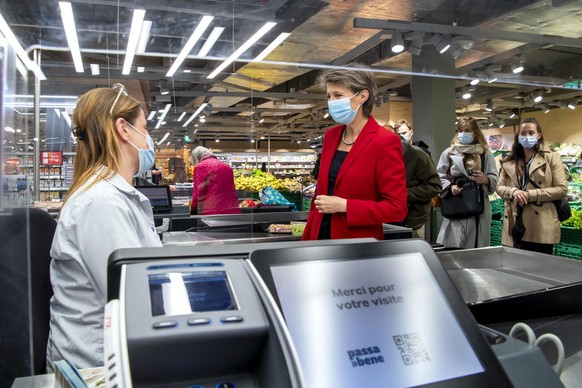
{"x": 363, "y": 322}
{"x": 179, "y": 293}
{"x": 157, "y": 195}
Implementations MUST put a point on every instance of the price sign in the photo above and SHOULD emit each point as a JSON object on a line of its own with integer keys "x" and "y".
{"x": 51, "y": 158}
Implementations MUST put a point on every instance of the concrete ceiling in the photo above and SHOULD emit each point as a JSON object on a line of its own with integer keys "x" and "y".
{"x": 281, "y": 89}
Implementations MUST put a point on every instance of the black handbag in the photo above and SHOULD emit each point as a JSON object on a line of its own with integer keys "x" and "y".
{"x": 562, "y": 205}
{"x": 470, "y": 202}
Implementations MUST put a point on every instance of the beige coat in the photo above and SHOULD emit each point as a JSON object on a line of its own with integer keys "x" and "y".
{"x": 540, "y": 217}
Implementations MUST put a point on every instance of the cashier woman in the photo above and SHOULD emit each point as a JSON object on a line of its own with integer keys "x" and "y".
{"x": 102, "y": 213}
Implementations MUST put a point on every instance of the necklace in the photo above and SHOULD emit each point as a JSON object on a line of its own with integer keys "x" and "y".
{"x": 348, "y": 143}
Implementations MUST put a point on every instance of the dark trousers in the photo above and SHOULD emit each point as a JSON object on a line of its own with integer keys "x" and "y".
{"x": 537, "y": 247}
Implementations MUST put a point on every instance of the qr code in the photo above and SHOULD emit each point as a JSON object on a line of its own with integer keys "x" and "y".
{"x": 411, "y": 348}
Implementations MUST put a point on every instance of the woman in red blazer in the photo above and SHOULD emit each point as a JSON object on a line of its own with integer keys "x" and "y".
{"x": 362, "y": 181}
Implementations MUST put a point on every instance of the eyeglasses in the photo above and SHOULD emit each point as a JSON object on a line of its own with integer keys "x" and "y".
{"x": 121, "y": 88}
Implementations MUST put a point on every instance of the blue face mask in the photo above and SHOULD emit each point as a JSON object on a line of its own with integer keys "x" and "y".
{"x": 527, "y": 141}
{"x": 465, "y": 138}
{"x": 406, "y": 137}
{"x": 341, "y": 110}
{"x": 147, "y": 157}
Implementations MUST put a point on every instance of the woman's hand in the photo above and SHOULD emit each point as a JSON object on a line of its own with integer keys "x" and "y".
{"x": 456, "y": 190}
{"x": 520, "y": 197}
{"x": 480, "y": 177}
{"x": 330, "y": 204}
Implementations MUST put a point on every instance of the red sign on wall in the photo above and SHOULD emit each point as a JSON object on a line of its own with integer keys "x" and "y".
{"x": 51, "y": 158}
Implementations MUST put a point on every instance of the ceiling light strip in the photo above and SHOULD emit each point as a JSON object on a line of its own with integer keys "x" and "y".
{"x": 71, "y": 34}
{"x": 144, "y": 36}
{"x": 163, "y": 115}
{"x": 181, "y": 116}
{"x": 278, "y": 40}
{"x": 202, "y": 26}
{"x": 200, "y": 108}
{"x": 164, "y": 138}
{"x": 9, "y": 35}
{"x": 95, "y": 69}
{"x": 214, "y": 35}
{"x": 136, "y": 23}
{"x": 245, "y": 46}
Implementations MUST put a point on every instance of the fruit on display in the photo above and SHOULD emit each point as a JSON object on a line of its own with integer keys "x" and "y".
{"x": 255, "y": 180}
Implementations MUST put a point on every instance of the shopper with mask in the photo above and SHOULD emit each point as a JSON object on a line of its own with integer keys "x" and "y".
{"x": 531, "y": 178}
{"x": 467, "y": 159}
{"x": 361, "y": 177}
{"x": 404, "y": 129}
{"x": 102, "y": 213}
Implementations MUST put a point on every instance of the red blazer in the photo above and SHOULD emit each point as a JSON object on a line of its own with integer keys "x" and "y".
{"x": 372, "y": 179}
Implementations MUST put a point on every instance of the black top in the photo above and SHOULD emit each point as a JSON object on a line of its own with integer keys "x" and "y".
{"x": 336, "y": 164}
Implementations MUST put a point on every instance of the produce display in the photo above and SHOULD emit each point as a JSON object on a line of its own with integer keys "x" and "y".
{"x": 575, "y": 221}
{"x": 567, "y": 149}
{"x": 255, "y": 180}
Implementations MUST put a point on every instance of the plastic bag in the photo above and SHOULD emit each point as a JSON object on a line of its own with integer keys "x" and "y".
{"x": 270, "y": 196}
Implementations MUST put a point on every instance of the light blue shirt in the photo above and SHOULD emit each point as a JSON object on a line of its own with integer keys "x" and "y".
{"x": 92, "y": 224}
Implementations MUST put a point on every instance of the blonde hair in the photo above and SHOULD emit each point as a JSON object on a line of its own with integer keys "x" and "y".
{"x": 98, "y": 147}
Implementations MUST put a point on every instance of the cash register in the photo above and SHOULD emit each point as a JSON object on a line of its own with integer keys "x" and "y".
{"x": 292, "y": 315}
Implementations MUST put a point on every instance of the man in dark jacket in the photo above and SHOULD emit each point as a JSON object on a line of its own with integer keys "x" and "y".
{"x": 404, "y": 129}
{"x": 422, "y": 183}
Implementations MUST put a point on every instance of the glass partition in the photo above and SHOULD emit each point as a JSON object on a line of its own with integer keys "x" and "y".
{"x": 240, "y": 78}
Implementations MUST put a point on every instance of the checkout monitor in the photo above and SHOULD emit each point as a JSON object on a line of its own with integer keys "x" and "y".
{"x": 383, "y": 314}
{"x": 160, "y": 197}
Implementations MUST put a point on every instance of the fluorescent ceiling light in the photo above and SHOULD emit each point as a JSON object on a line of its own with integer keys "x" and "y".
{"x": 245, "y": 46}
{"x": 95, "y": 69}
{"x": 200, "y": 108}
{"x": 278, "y": 40}
{"x": 151, "y": 115}
{"x": 164, "y": 138}
{"x": 572, "y": 104}
{"x": 58, "y": 112}
{"x": 136, "y": 23}
{"x": 181, "y": 116}
{"x": 66, "y": 116}
{"x": 214, "y": 35}
{"x": 144, "y": 35}
{"x": 198, "y": 31}
{"x": 71, "y": 34}
{"x": 140, "y": 69}
{"x": 163, "y": 115}
{"x": 21, "y": 67}
{"x": 9, "y": 35}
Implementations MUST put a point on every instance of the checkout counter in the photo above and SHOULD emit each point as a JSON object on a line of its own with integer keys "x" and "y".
{"x": 248, "y": 227}
{"x": 302, "y": 314}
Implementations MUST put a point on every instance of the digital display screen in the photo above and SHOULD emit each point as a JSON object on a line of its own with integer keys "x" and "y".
{"x": 358, "y": 323}
{"x": 179, "y": 293}
{"x": 158, "y": 195}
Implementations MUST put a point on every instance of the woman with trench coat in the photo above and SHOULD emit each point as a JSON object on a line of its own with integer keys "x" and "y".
{"x": 532, "y": 176}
